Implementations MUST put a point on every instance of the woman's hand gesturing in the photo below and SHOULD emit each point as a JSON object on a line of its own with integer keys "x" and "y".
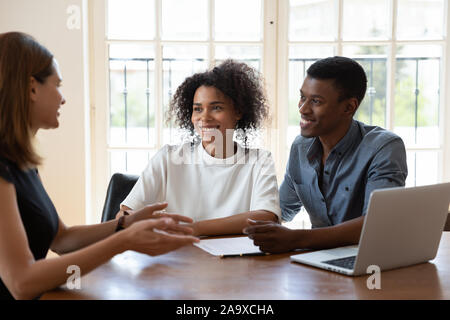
{"x": 157, "y": 236}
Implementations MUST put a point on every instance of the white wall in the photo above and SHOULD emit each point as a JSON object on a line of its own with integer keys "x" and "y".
{"x": 446, "y": 106}
{"x": 65, "y": 171}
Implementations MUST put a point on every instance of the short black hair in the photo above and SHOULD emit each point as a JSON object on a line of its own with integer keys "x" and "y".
{"x": 348, "y": 75}
{"x": 236, "y": 80}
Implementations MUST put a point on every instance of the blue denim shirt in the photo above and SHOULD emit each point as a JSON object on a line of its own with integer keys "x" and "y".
{"x": 365, "y": 159}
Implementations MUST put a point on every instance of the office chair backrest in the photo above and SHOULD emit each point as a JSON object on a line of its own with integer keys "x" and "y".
{"x": 447, "y": 223}
{"x": 119, "y": 187}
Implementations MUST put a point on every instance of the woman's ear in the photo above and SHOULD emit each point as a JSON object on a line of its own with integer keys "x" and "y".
{"x": 238, "y": 115}
{"x": 33, "y": 89}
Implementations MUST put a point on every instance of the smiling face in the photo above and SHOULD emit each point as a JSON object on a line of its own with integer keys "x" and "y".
{"x": 46, "y": 100}
{"x": 213, "y": 114}
{"x": 322, "y": 114}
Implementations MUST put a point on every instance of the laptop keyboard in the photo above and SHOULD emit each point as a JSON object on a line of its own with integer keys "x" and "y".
{"x": 347, "y": 262}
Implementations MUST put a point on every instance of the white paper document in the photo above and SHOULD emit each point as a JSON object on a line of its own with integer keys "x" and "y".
{"x": 239, "y": 246}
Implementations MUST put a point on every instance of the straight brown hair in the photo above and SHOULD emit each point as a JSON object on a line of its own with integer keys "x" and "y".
{"x": 21, "y": 57}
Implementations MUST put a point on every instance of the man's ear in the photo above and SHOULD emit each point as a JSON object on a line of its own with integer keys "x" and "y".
{"x": 33, "y": 89}
{"x": 351, "y": 106}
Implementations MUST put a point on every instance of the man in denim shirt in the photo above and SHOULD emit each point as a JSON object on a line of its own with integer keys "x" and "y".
{"x": 334, "y": 164}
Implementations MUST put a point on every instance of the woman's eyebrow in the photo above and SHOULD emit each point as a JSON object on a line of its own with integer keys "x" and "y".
{"x": 212, "y": 102}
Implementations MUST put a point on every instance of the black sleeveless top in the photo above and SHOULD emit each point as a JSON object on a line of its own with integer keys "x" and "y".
{"x": 38, "y": 214}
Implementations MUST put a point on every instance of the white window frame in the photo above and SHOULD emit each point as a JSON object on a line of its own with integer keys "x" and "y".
{"x": 100, "y": 85}
{"x": 391, "y": 44}
{"x": 275, "y": 70}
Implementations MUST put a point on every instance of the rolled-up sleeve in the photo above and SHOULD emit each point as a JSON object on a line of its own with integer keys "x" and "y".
{"x": 290, "y": 202}
{"x": 388, "y": 169}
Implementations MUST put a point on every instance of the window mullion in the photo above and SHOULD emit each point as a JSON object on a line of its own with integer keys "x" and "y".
{"x": 158, "y": 76}
{"x": 211, "y": 26}
{"x": 280, "y": 112}
{"x": 339, "y": 26}
{"x": 391, "y": 69}
{"x": 269, "y": 64}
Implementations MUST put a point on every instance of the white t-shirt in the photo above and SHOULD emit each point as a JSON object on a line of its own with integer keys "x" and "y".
{"x": 203, "y": 187}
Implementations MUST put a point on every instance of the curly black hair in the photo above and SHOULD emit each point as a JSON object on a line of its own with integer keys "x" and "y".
{"x": 238, "y": 81}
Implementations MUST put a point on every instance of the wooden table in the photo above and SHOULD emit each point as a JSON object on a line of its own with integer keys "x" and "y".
{"x": 190, "y": 274}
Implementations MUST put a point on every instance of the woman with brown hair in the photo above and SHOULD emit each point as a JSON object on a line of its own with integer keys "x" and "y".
{"x": 30, "y": 99}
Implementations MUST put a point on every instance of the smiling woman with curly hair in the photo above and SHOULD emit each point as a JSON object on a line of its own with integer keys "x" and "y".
{"x": 238, "y": 81}
{"x": 213, "y": 179}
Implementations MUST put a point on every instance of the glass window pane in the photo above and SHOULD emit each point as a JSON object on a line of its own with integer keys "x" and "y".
{"x": 131, "y": 51}
{"x": 131, "y": 19}
{"x": 179, "y": 62}
{"x": 300, "y": 58}
{"x": 132, "y": 116}
{"x": 312, "y": 20}
{"x": 131, "y": 162}
{"x": 417, "y": 95}
{"x": 117, "y": 160}
{"x": 420, "y": 19}
{"x": 117, "y": 103}
{"x": 423, "y": 168}
{"x": 137, "y": 160}
{"x": 373, "y": 59}
{"x": 238, "y": 20}
{"x": 184, "y": 19}
{"x": 248, "y": 54}
{"x": 364, "y": 20}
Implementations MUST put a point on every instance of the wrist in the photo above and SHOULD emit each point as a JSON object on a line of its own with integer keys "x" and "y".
{"x": 302, "y": 239}
{"x": 121, "y": 242}
{"x": 124, "y": 221}
{"x": 196, "y": 229}
{"x": 129, "y": 218}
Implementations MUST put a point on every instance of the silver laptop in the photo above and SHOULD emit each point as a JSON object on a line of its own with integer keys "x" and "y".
{"x": 402, "y": 227}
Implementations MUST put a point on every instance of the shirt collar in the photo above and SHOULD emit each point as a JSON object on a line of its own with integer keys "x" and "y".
{"x": 340, "y": 148}
{"x": 314, "y": 153}
{"x": 210, "y": 160}
{"x": 347, "y": 141}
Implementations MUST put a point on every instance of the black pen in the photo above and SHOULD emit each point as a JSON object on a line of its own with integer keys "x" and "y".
{"x": 244, "y": 255}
